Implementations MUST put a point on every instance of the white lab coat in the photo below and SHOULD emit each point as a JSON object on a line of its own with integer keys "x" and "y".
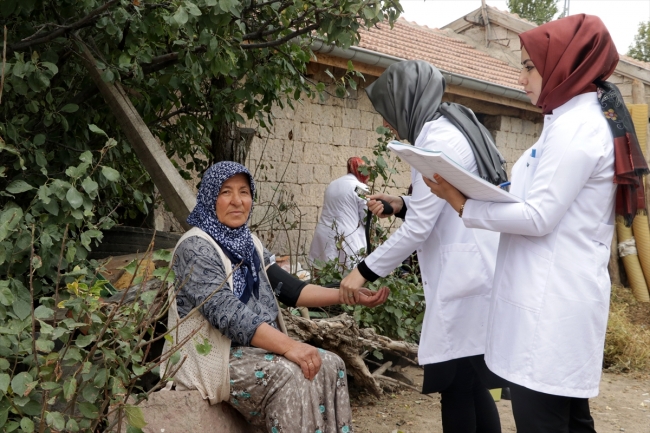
{"x": 342, "y": 214}
{"x": 551, "y": 287}
{"x": 456, "y": 263}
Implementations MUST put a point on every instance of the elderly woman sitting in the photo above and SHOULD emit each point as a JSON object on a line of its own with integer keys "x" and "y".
{"x": 271, "y": 379}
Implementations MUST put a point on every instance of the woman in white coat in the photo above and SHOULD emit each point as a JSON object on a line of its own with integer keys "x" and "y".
{"x": 551, "y": 287}
{"x": 456, "y": 263}
{"x": 339, "y": 232}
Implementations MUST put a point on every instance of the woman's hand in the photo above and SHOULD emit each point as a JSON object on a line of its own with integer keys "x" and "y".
{"x": 446, "y": 191}
{"x": 306, "y": 356}
{"x": 369, "y": 298}
{"x": 349, "y": 289}
{"x": 377, "y": 208}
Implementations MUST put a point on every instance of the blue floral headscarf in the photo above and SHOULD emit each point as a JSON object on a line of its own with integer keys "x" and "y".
{"x": 236, "y": 243}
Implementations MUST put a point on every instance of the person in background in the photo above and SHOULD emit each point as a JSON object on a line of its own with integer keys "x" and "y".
{"x": 340, "y": 231}
{"x": 456, "y": 263}
{"x": 226, "y": 284}
{"x": 550, "y": 301}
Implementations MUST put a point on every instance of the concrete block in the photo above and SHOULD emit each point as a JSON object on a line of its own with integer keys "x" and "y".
{"x": 369, "y": 120}
{"x": 306, "y": 172}
{"x": 359, "y": 138}
{"x": 186, "y": 411}
{"x": 515, "y": 125}
{"x": 351, "y": 118}
{"x": 322, "y": 174}
{"x": 505, "y": 124}
{"x": 341, "y": 136}
{"x": 327, "y": 115}
{"x": 527, "y": 127}
{"x": 338, "y": 171}
{"x": 326, "y": 135}
{"x": 310, "y": 132}
{"x": 282, "y": 129}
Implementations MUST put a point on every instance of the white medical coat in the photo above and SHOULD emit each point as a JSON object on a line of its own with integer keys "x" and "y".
{"x": 456, "y": 263}
{"x": 342, "y": 214}
{"x": 551, "y": 287}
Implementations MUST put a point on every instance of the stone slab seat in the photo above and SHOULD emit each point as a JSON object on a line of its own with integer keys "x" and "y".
{"x": 186, "y": 412}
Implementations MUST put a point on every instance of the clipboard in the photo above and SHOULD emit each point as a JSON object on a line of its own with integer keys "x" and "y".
{"x": 430, "y": 162}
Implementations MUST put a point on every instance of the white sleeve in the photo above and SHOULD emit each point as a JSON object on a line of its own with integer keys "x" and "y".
{"x": 422, "y": 213}
{"x": 568, "y": 160}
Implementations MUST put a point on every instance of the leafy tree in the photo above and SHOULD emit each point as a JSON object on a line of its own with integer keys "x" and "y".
{"x": 537, "y": 11}
{"x": 194, "y": 71}
{"x": 640, "y": 49}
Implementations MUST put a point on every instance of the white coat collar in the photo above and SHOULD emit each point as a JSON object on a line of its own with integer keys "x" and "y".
{"x": 576, "y": 101}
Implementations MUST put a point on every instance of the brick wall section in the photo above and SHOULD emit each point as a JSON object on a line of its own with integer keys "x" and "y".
{"x": 512, "y": 136}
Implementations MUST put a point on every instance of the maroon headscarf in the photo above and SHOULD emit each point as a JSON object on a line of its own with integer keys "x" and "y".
{"x": 570, "y": 54}
{"x": 574, "y": 55}
{"x": 353, "y": 168}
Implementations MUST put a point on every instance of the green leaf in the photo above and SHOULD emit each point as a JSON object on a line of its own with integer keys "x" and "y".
{"x": 377, "y": 354}
{"x": 110, "y": 174}
{"x": 134, "y": 416}
{"x": 4, "y": 364}
{"x": 192, "y": 9}
{"x": 22, "y": 309}
{"x": 181, "y": 16}
{"x": 204, "y": 348}
{"x": 84, "y": 340}
{"x": 97, "y": 130}
{"x": 4, "y": 382}
{"x": 43, "y": 312}
{"x": 20, "y": 382}
{"x": 55, "y": 419}
{"x": 164, "y": 274}
{"x": 6, "y": 296}
{"x": 148, "y": 296}
{"x": 27, "y": 425}
{"x": 74, "y": 197}
{"x": 72, "y": 425}
{"x": 18, "y": 186}
{"x": 108, "y": 76}
{"x": 9, "y": 220}
{"x": 52, "y": 207}
{"x": 86, "y": 157}
{"x": 44, "y": 346}
{"x": 69, "y": 388}
{"x": 164, "y": 255}
{"x": 70, "y": 108}
{"x": 175, "y": 358}
{"x": 88, "y": 410}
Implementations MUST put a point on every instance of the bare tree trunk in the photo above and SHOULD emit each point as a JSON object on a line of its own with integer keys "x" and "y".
{"x": 230, "y": 142}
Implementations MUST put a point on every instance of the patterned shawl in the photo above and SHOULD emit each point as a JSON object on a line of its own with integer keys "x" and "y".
{"x": 236, "y": 243}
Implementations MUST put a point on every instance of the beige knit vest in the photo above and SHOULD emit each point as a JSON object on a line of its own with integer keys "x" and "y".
{"x": 208, "y": 373}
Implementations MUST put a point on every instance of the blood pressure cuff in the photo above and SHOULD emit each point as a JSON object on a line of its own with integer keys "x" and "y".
{"x": 286, "y": 287}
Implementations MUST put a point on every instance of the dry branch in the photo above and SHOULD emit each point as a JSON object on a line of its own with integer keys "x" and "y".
{"x": 342, "y": 336}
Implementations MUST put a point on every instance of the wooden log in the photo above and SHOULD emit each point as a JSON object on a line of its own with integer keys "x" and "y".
{"x": 381, "y": 370}
{"x": 613, "y": 266}
{"x": 342, "y": 336}
{"x": 174, "y": 190}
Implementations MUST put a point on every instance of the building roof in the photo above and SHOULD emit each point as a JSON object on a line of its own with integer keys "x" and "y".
{"x": 414, "y": 42}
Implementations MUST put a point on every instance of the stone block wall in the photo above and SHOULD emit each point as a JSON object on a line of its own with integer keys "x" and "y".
{"x": 512, "y": 136}
{"x": 306, "y": 150}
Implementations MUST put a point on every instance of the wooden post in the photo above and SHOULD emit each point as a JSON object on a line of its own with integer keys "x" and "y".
{"x": 174, "y": 190}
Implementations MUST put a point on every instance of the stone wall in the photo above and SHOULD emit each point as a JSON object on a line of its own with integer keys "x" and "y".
{"x": 306, "y": 150}
{"x": 512, "y": 136}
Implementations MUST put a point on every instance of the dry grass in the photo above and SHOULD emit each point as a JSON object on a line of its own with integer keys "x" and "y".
{"x": 627, "y": 345}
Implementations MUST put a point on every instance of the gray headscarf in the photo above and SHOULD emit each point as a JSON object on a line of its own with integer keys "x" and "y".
{"x": 408, "y": 95}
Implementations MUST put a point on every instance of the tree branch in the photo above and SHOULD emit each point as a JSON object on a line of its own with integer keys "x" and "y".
{"x": 161, "y": 62}
{"x": 86, "y": 21}
{"x": 281, "y": 41}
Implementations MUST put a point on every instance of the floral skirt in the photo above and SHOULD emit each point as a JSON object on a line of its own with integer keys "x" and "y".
{"x": 271, "y": 392}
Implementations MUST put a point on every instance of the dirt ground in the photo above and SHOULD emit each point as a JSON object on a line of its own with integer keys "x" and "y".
{"x": 622, "y": 406}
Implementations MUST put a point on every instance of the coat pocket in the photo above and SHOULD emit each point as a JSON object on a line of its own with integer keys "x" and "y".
{"x": 463, "y": 273}
{"x": 524, "y": 273}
